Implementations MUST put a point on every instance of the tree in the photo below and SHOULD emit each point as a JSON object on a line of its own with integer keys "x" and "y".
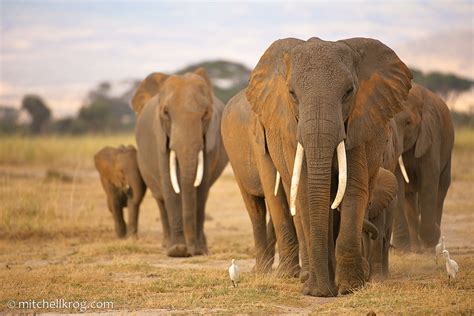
{"x": 39, "y": 112}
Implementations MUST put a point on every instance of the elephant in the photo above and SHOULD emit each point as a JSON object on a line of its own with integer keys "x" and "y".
{"x": 426, "y": 130}
{"x": 330, "y": 102}
{"x": 123, "y": 185}
{"x": 180, "y": 153}
{"x": 380, "y": 213}
{"x": 260, "y": 188}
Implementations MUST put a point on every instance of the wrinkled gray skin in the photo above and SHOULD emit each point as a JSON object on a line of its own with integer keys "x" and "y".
{"x": 123, "y": 185}
{"x": 179, "y": 113}
{"x": 426, "y": 128}
{"x": 255, "y": 174}
{"x": 319, "y": 93}
{"x": 380, "y": 213}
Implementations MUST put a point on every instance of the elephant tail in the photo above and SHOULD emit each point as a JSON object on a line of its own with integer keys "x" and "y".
{"x": 370, "y": 228}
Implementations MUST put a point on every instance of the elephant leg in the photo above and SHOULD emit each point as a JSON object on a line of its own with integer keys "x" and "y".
{"x": 444, "y": 183}
{"x": 376, "y": 258}
{"x": 257, "y": 212}
{"x": 302, "y": 245}
{"x": 133, "y": 211}
{"x": 164, "y": 223}
{"x": 271, "y": 239}
{"x": 352, "y": 269}
{"x": 429, "y": 231}
{"x": 331, "y": 245}
{"x": 388, "y": 223}
{"x": 304, "y": 273}
{"x": 284, "y": 229}
{"x": 116, "y": 208}
{"x": 411, "y": 209}
{"x": 401, "y": 235}
{"x": 201, "y": 246}
{"x": 177, "y": 245}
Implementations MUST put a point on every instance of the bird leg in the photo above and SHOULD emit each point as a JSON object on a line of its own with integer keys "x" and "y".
{"x": 233, "y": 283}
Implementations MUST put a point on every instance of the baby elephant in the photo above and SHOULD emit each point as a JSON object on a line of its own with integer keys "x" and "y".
{"x": 122, "y": 184}
{"x": 380, "y": 214}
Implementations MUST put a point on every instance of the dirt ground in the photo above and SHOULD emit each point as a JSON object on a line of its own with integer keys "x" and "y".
{"x": 57, "y": 242}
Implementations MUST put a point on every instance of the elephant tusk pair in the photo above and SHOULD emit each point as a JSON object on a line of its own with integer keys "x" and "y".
{"x": 295, "y": 179}
{"x": 174, "y": 176}
{"x": 402, "y": 168}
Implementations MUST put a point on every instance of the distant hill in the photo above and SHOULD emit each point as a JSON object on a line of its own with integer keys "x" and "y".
{"x": 227, "y": 77}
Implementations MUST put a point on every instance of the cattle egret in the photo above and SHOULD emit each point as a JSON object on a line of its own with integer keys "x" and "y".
{"x": 234, "y": 273}
{"x": 452, "y": 267}
{"x": 440, "y": 248}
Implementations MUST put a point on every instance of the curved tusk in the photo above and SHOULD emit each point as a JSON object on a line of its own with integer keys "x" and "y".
{"x": 342, "y": 165}
{"x": 295, "y": 178}
{"x": 200, "y": 169}
{"x": 277, "y": 184}
{"x": 402, "y": 168}
{"x": 173, "y": 175}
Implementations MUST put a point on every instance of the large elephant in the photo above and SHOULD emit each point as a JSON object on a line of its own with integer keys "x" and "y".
{"x": 426, "y": 130}
{"x": 380, "y": 214}
{"x": 260, "y": 187}
{"x": 123, "y": 185}
{"x": 180, "y": 153}
{"x": 310, "y": 97}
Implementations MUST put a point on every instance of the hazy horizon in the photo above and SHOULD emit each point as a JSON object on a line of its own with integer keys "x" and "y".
{"x": 60, "y": 50}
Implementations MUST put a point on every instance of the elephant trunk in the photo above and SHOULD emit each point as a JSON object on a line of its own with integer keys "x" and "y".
{"x": 319, "y": 142}
{"x": 191, "y": 165}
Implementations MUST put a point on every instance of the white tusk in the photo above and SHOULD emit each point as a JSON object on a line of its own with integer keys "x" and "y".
{"x": 402, "y": 168}
{"x": 173, "y": 176}
{"x": 295, "y": 178}
{"x": 342, "y": 165}
{"x": 277, "y": 183}
{"x": 200, "y": 169}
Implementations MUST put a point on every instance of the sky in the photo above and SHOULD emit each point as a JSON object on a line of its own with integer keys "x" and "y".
{"x": 62, "y": 49}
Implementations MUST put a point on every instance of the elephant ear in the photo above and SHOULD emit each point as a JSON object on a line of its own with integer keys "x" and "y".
{"x": 203, "y": 73}
{"x": 258, "y": 134}
{"x": 385, "y": 190}
{"x": 427, "y": 126}
{"x": 148, "y": 88}
{"x": 267, "y": 89}
{"x": 384, "y": 83}
{"x": 213, "y": 130}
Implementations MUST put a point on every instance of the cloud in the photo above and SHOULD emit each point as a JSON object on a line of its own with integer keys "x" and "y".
{"x": 56, "y": 47}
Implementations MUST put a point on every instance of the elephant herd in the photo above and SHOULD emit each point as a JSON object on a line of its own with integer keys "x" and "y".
{"x": 347, "y": 155}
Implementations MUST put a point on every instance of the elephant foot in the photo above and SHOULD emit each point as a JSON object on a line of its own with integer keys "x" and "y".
{"x": 165, "y": 242}
{"x": 310, "y": 288}
{"x": 178, "y": 250}
{"x": 201, "y": 250}
{"x": 401, "y": 244}
{"x": 132, "y": 236}
{"x": 351, "y": 275}
{"x": 304, "y": 276}
{"x": 429, "y": 235}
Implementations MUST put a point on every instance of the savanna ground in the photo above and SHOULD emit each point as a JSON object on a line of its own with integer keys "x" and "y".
{"x": 57, "y": 242}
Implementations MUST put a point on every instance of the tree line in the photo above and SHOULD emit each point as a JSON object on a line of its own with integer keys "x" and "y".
{"x": 104, "y": 113}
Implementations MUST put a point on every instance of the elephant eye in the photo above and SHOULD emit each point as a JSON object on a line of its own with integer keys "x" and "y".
{"x": 293, "y": 96}
{"x": 165, "y": 114}
{"x": 348, "y": 94}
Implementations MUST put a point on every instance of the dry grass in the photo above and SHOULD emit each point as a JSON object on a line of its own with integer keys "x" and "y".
{"x": 57, "y": 241}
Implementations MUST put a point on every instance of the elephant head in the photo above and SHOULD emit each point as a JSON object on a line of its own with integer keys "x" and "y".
{"x": 327, "y": 95}
{"x": 416, "y": 123}
{"x": 185, "y": 132}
